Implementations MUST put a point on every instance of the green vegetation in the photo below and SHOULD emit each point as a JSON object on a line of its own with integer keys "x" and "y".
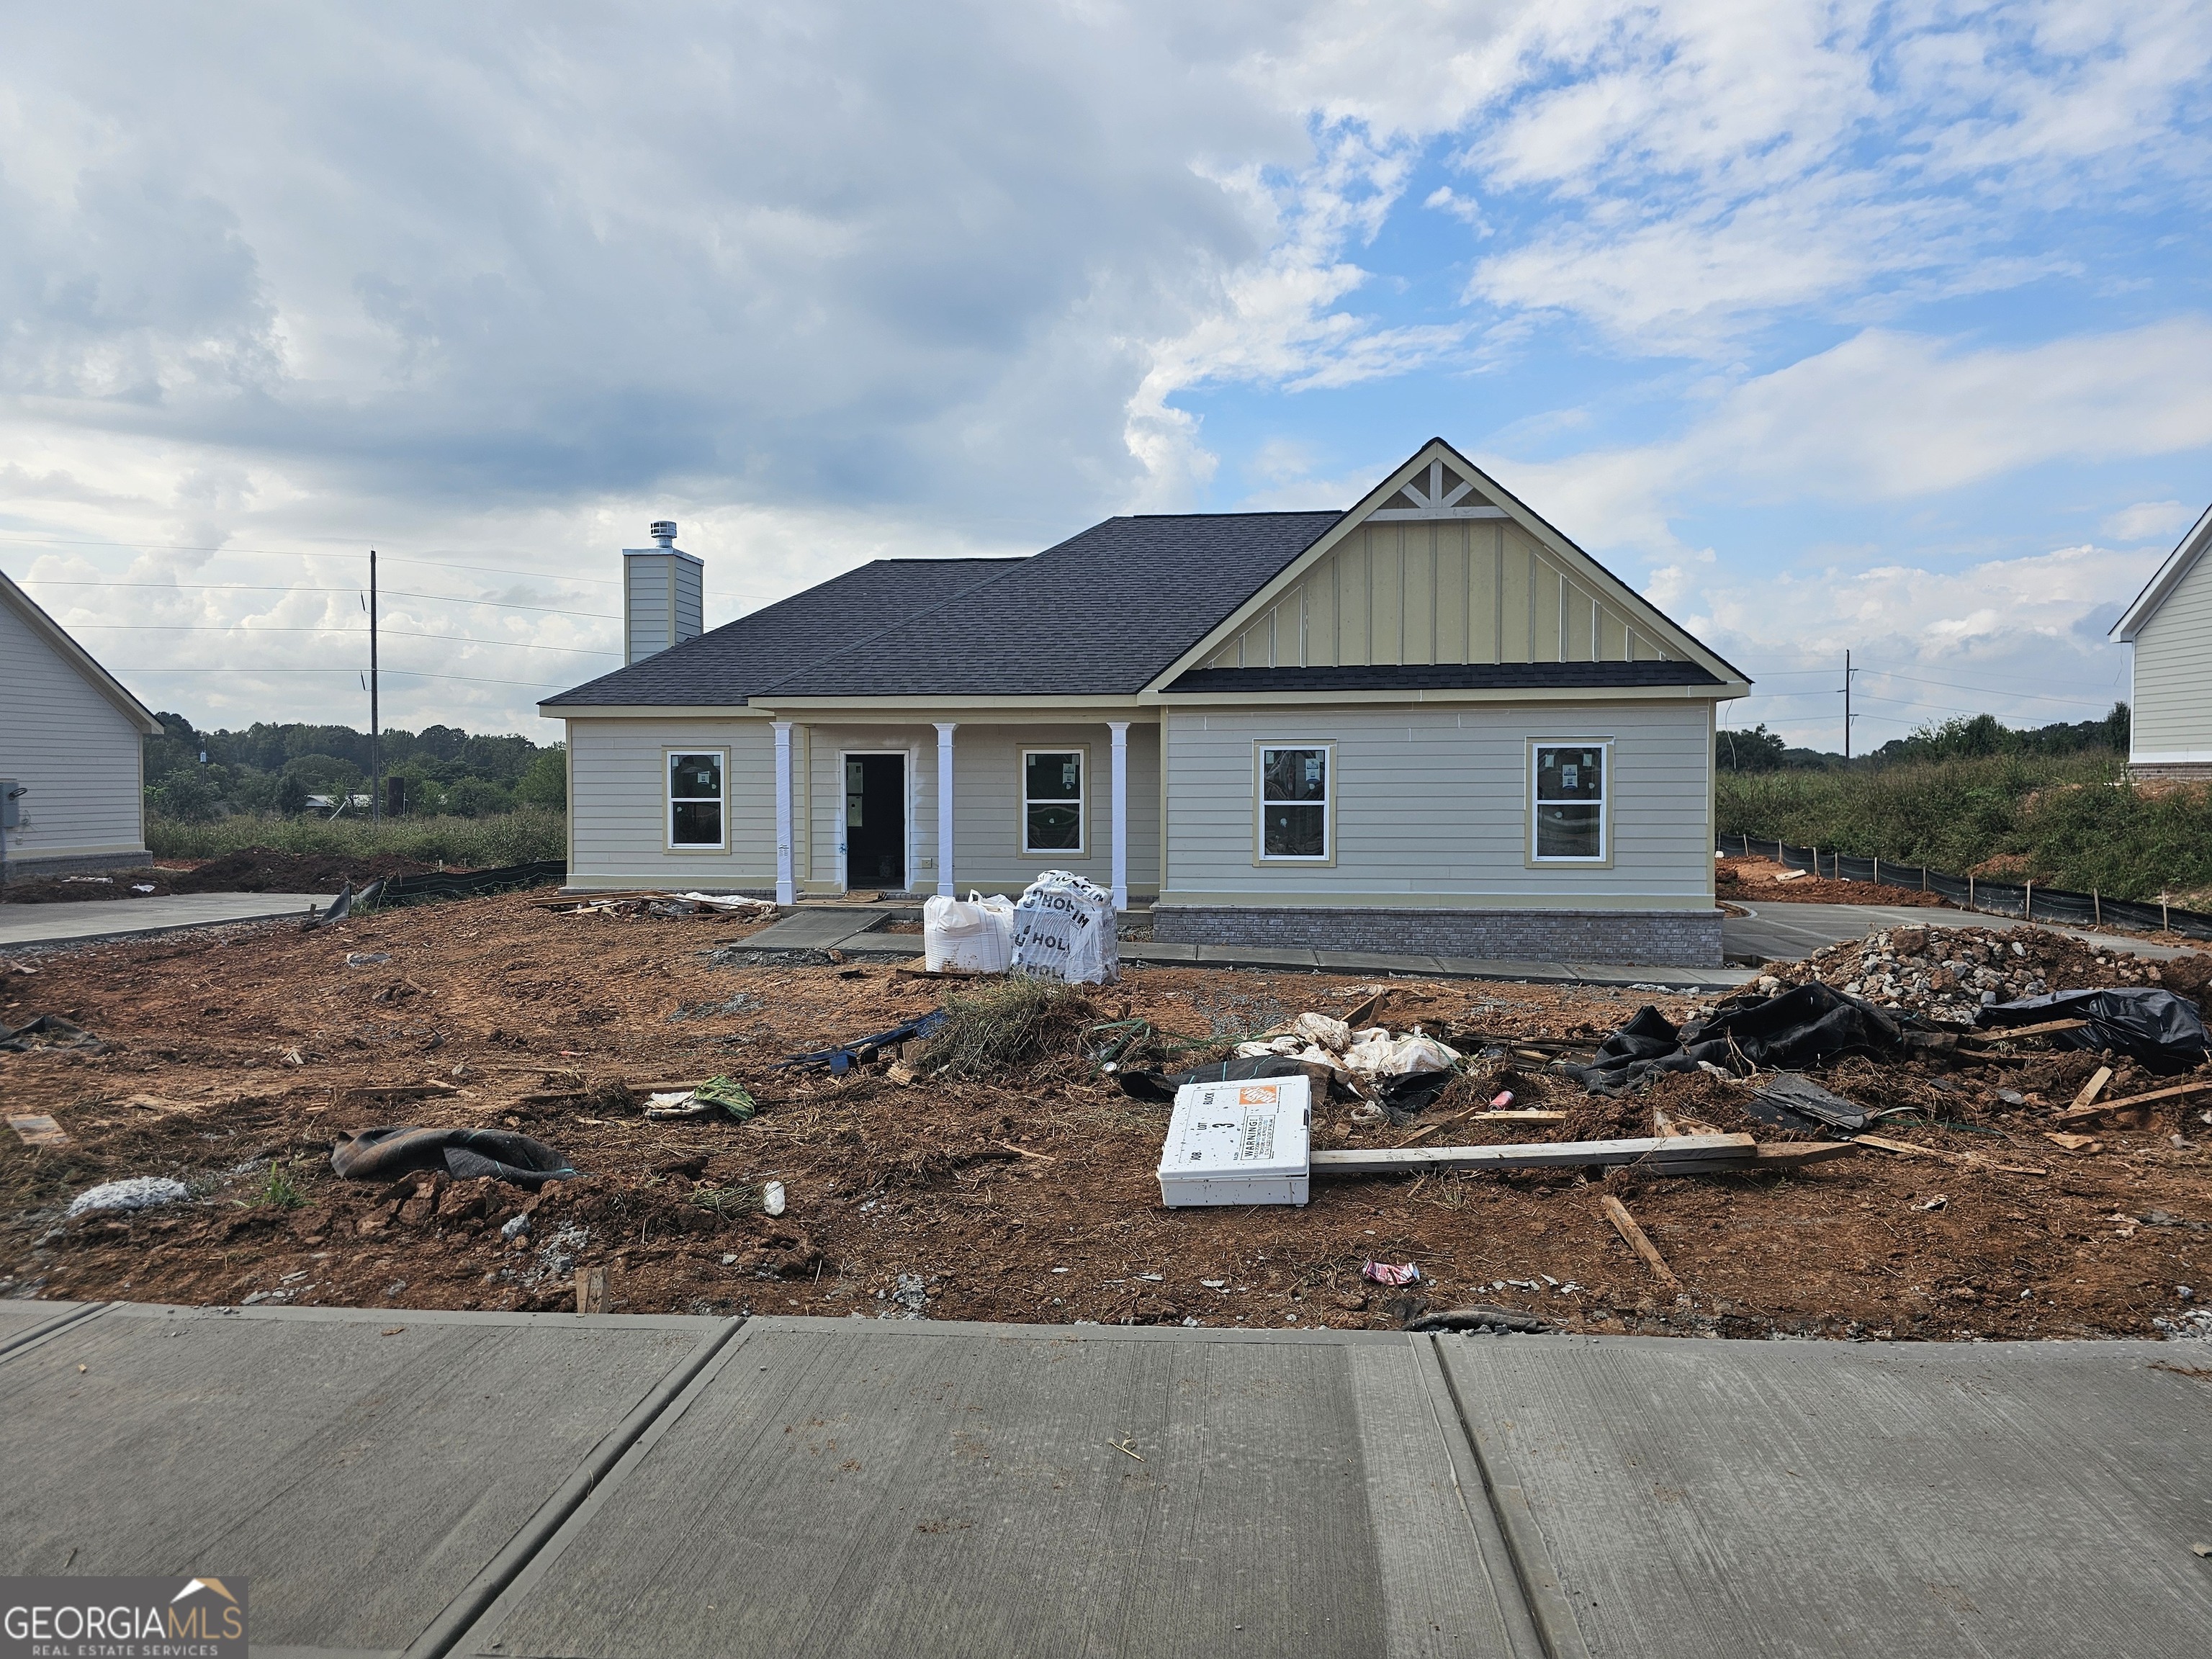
{"x": 522, "y": 837}
{"x": 2071, "y": 821}
{"x": 198, "y": 777}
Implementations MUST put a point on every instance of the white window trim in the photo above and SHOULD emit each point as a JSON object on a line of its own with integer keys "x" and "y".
{"x": 669, "y": 798}
{"x": 1082, "y": 753}
{"x": 1261, "y": 750}
{"x": 1604, "y": 854}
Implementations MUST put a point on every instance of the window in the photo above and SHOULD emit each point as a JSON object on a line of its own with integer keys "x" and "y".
{"x": 1294, "y": 803}
{"x": 1571, "y": 801}
{"x": 1052, "y": 801}
{"x": 694, "y": 799}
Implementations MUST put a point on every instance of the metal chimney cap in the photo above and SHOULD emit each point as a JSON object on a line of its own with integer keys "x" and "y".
{"x": 663, "y": 531}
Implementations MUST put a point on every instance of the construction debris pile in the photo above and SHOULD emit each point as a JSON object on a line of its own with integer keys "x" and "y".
{"x": 841, "y": 1138}
{"x": 1953, "y": 973}
{"x": 652, "y": 902}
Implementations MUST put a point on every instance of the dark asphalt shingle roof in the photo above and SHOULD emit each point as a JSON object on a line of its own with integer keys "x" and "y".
{"x": 1104, "y": 613}
{"x": 741, "y": 658}
{"x": 1444, "y": 676}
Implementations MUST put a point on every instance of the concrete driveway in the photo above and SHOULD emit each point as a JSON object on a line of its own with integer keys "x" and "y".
{"x": 85, "y": 920}
{"x": 1788, "y": 933}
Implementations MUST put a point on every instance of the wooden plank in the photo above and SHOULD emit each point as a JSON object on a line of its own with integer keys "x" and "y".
{"x": 1963, "y": 1160}
{"x": 1788, "y": 1154}
{"x": 2093, "y": 1088}
{"x": 2079, "y": 1114}
{"x": 590, "y": 1289}
{"x": 1625, "y": 1224}
{"x": 2049, "y": 1027}
{"x": 1692, "y": 1152}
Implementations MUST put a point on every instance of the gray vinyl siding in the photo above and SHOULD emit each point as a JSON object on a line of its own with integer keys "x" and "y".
{"x": 986, "y": 803}
{"x": 618, "y": 804}
{"x": 2172, "y": 694}
{"x": 1434, "y": 803}
{"x": 79, "y": 755}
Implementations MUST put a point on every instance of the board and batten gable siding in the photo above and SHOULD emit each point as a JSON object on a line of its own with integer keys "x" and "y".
{"x": 618, "y": 804}
{"x": 1431, "y": 806}
{"x": 80, "y": 756}
{"x": 1437, "y": 591}
{"x": 986, "y": 803}
{"x": 2172, "y": 698}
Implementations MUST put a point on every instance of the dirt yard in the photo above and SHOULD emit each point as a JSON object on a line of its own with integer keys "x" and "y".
{"x": 231, "y": 1059}
{"x": 1762, "y": 881}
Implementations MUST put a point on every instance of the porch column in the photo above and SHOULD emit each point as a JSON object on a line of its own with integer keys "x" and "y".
{"x": 787, "y": 890}
{"x": 944, "y": 807}
{"x": 1121, "y": 731}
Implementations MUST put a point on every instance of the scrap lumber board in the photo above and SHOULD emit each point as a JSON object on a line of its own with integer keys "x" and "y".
{"x": 2093, "y": 1087}
{"x": 2103, "y": 1108}
{"x": 1688, "y": 1154}
{"x": 2006, "y": 1034}
{"x": 1625, "y": 1224}
{"x": 1964, "y": 1160}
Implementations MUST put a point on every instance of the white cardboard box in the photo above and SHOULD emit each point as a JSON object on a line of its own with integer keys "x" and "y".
{"x": 1239, "y": 1143}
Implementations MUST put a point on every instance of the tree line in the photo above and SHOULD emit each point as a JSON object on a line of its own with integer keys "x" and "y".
{"x": 1978, "y": 736}
{"x": 195, "y": 777}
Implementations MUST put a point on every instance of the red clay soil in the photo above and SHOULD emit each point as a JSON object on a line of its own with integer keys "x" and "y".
{"x": 1028, "y": 1197}
{"x": 251, "y": 869}
{"x": 1753, "y": 881}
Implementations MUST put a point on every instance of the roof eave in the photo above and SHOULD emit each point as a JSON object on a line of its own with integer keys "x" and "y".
{"x": 2168, "y": 577}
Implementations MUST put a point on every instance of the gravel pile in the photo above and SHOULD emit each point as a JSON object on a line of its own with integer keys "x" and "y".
{"x": 1949, "y": 973}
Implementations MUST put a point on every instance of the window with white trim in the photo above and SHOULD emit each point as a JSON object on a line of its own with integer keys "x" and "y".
{"x": 695, "y": 799}
{"x": 1570, "y": 802}
{"x": 1052, "y": 801}
{"x": 1294, "y": 803}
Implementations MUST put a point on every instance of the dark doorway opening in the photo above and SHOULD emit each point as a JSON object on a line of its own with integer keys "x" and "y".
{"x": 875, "y": 821}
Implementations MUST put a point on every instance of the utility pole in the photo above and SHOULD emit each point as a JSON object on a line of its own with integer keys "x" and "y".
{"x": 376, "y": 723}
{"x": 1848, "y": 671}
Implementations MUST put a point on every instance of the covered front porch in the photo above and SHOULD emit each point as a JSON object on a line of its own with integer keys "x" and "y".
{"x": 913, "y": 808}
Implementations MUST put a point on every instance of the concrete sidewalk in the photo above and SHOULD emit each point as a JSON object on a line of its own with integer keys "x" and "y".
{"x": 85, "y": 920}
{"x": 401, "y": 1482}
{"x": 854, "y": 931}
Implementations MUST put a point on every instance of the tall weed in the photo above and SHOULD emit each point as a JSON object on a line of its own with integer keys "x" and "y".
{"x": 522, "y": 837}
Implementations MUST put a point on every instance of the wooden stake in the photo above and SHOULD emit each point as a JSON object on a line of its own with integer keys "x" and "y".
{"x": 2002, "y": 1034}
{"x": 1625, "y": 1224}
{"x": 590, "y": 1289}
{"x": 2093, "y": 1087}
{"x": 2076, "y": 1113}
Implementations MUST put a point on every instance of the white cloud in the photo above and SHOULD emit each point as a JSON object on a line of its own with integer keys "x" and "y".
{"x": 2147, "y": 521}
{"x": 2023, "y": 639}
{"x": 1889, "y": 416}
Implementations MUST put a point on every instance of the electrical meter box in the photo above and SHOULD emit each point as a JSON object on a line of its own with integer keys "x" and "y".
{"x": 1239, "y": 1143}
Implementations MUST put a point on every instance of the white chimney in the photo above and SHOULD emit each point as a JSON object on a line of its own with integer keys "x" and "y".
{"x": 662, "y": 595}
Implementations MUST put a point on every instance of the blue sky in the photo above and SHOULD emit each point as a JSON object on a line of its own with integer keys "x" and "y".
{"x": 1876, "y": 327}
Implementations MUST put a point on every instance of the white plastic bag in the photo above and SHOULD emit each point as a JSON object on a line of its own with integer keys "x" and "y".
{"x": 1063, "y": 929}
{"x": 974, "y": 936}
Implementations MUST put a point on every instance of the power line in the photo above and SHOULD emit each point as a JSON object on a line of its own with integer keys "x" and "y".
{"x": 298, "y": 553}
{"x": 412, "y": 673}
{"x": 398, "y": 633}
{"x": 246, "y": 587}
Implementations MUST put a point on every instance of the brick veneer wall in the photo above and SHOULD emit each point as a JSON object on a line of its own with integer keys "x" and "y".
{"x": 1675, "y": 938}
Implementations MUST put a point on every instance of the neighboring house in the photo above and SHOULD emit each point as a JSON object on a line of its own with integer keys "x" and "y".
{"x": 2170, "y": 626}
{"x": 1430, "y": 724}
{"x": 70, "y": 738}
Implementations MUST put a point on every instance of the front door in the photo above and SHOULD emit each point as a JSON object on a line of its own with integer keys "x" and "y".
{"x": 875, "y": 822}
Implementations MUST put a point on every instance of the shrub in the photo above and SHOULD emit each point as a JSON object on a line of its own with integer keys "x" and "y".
{"x": 519, "y": 837}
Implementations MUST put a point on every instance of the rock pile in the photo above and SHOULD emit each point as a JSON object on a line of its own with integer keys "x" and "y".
{"x": 1949, "y": 973}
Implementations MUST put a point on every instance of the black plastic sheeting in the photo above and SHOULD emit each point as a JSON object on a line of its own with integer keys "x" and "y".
{"x": 1809, "y": 1024}
{"x": 2158, "y": 1028}
{"x": 1998, "y": 898}
{"x": 1159, "y": 1088}
{"x": 470, "y": 883}
{"x": 465, "y": 1154}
